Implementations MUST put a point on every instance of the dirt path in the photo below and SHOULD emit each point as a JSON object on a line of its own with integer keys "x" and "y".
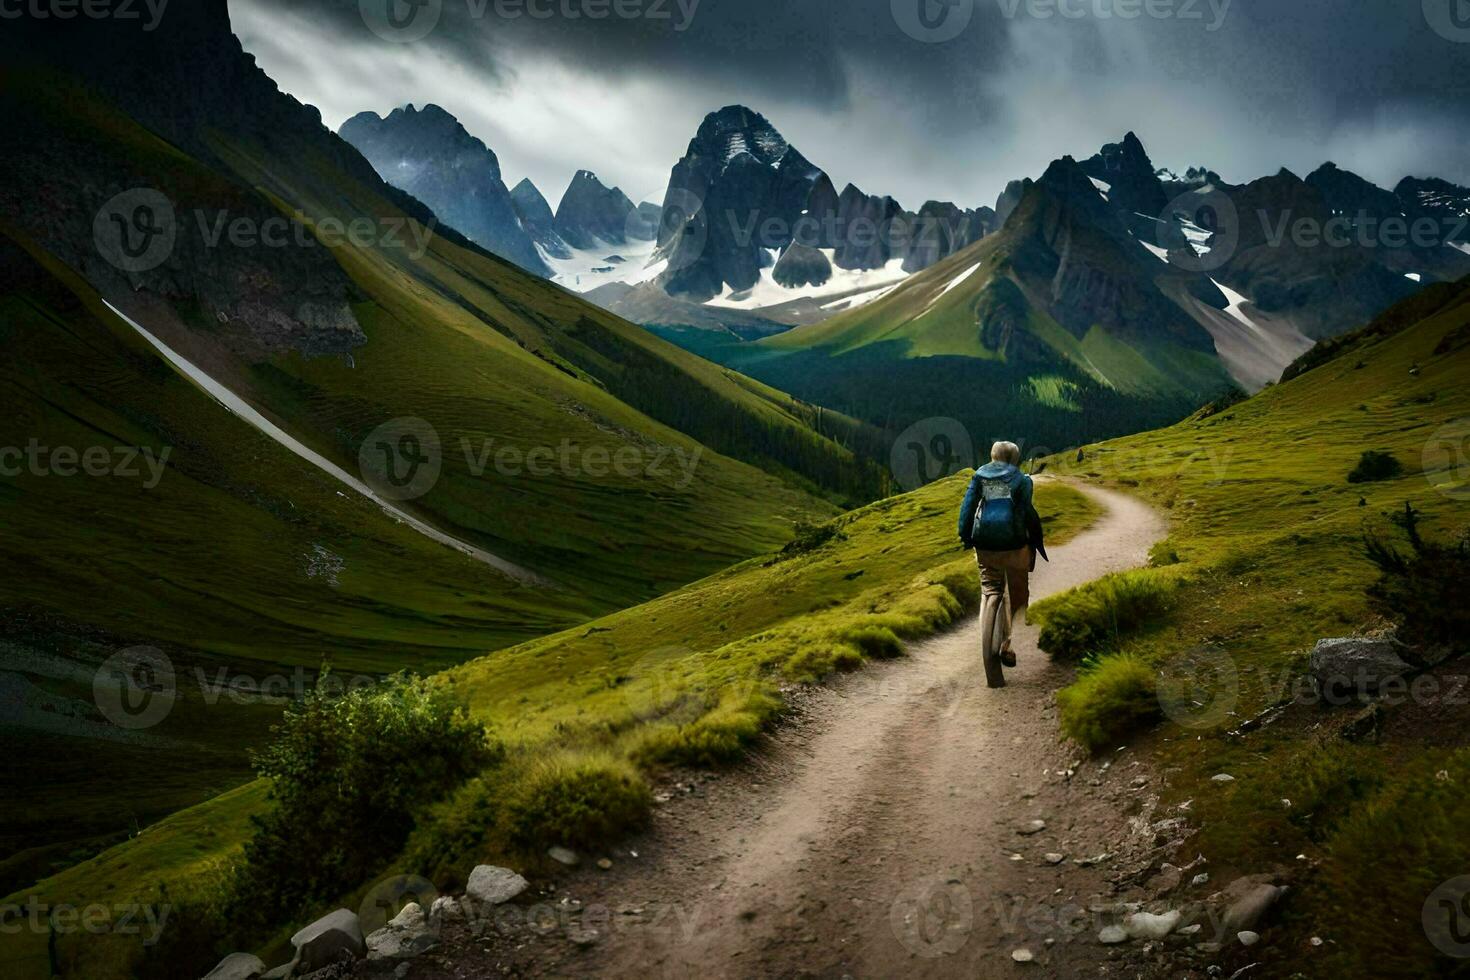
{"x": 881, "y": 835}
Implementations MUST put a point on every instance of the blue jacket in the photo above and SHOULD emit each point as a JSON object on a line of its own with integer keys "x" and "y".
{"x": 1021, "y": 491}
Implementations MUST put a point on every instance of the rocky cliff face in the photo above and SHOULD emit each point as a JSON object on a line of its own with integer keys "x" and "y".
{"x": 427, "y": 153}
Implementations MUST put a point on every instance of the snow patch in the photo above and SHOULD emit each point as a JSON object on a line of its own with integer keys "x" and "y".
{"x": 1416, "y": 277}
{"x": 1103, "y": 187}
{"x": 951, "y": 285}
{"x": 768, "y": 292}
{"x": 588, "y": 268}
{"x": 1162, "y": 254}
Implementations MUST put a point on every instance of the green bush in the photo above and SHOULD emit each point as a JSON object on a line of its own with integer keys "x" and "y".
{"x": 1090, "y": 619}
{"x": 1424, "y": 588}
{"x": 577, "y": 799}
{"x": 874, "y": 641}
{"x": 1116, "y": 697}
{"x": 348, "y": 774}
{"x": 1374, "y": 465}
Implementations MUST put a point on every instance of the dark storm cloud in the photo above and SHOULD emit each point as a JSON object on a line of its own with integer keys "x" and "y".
{"x": 1245, "y": 86}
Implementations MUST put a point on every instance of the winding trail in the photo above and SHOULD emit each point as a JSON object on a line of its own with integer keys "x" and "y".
{"x": 877, "y": 837}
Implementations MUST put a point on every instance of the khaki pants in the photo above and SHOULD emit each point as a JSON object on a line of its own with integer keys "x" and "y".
{"x": 1010, "y": 570}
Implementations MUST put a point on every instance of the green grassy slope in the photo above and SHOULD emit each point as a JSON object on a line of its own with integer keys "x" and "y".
{"x": 1270, "y": 534}
{"x": 638, "y": 683}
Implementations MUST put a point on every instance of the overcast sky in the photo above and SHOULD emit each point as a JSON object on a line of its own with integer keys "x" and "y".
{"x": 1000, "y": 88}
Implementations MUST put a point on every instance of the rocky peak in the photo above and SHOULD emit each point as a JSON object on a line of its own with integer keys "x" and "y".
{"x": 590, "y": 213}
{"x": 1133, "y": 182}
{"x": 734, "y": 130}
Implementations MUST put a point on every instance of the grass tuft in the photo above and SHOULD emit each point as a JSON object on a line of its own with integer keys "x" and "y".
{"x": 1109, "y": 702}
{"x": 1092, "y": 618}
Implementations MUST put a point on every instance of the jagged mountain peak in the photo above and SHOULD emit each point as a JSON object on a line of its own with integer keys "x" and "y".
{"x": 736, "y": 129}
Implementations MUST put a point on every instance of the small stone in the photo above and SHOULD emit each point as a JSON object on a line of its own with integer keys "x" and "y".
{"x": 1189, "y": 930}
{"x": 1248, "y": 938}
{"x": 1034, "y": 827}
{"x": 1055, "y": 858}
{"x": 1145, "y": 925}
{"x": 1112, "y": 935}
{"x": 604, "y": 863}
{"x": 1315, "y": 940}
{"x": 493, "y": 885}
{"x": 1203, "y": 878}
{"x": 1222, "y": 777}
{"x": 563, "y": 855}
{"x": 584, "y": 937}
{"x": 1022, "y": 955}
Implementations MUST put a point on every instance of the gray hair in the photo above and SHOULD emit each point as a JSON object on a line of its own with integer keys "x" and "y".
{"x": 1006, "y": 452}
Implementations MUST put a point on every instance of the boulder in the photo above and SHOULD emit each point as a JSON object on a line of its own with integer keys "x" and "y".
{"x": 408, "y": 934}
{"x": 1352, "y": 668}
{"x": 237, "y": 966}
{"x": 1249, "y": 899}
{"x": 328, "y": 940}
{"x": 491, "y": 885}
{"x": 446, "y": 909}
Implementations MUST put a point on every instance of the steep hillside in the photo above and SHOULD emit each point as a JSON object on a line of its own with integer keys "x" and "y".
{"x": 1266, "y": 555}
{"x": 551, "y": 437}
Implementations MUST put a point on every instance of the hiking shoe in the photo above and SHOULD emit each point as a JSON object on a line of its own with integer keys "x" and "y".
{"x": 1007, "y": 655}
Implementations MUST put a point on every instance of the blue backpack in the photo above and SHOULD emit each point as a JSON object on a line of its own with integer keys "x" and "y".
{"x": 1000, "y": 524}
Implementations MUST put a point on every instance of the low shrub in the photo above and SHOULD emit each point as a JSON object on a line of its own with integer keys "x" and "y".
{"x": 1090, "y": 619}
{"x": 349, "y": 772}
{"x": 1117, "y": 696}
{"x": 1373, "y": 466}
{"x": 576, "y": 799}
{"x": 1423, "y": 589}
{"x": 456, "y": 833}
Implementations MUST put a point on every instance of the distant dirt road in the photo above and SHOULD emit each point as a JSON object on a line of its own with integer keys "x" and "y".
{"x": 876, "y": 837}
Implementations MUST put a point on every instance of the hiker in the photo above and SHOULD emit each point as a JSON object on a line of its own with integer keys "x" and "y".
{"x": 999, "y": 520}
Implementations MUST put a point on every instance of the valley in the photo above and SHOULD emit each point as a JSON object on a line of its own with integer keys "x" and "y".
{"x": 376, "y": 527}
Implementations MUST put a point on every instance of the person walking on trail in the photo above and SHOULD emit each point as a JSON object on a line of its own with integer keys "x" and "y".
{"x": 999, "y": 520}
